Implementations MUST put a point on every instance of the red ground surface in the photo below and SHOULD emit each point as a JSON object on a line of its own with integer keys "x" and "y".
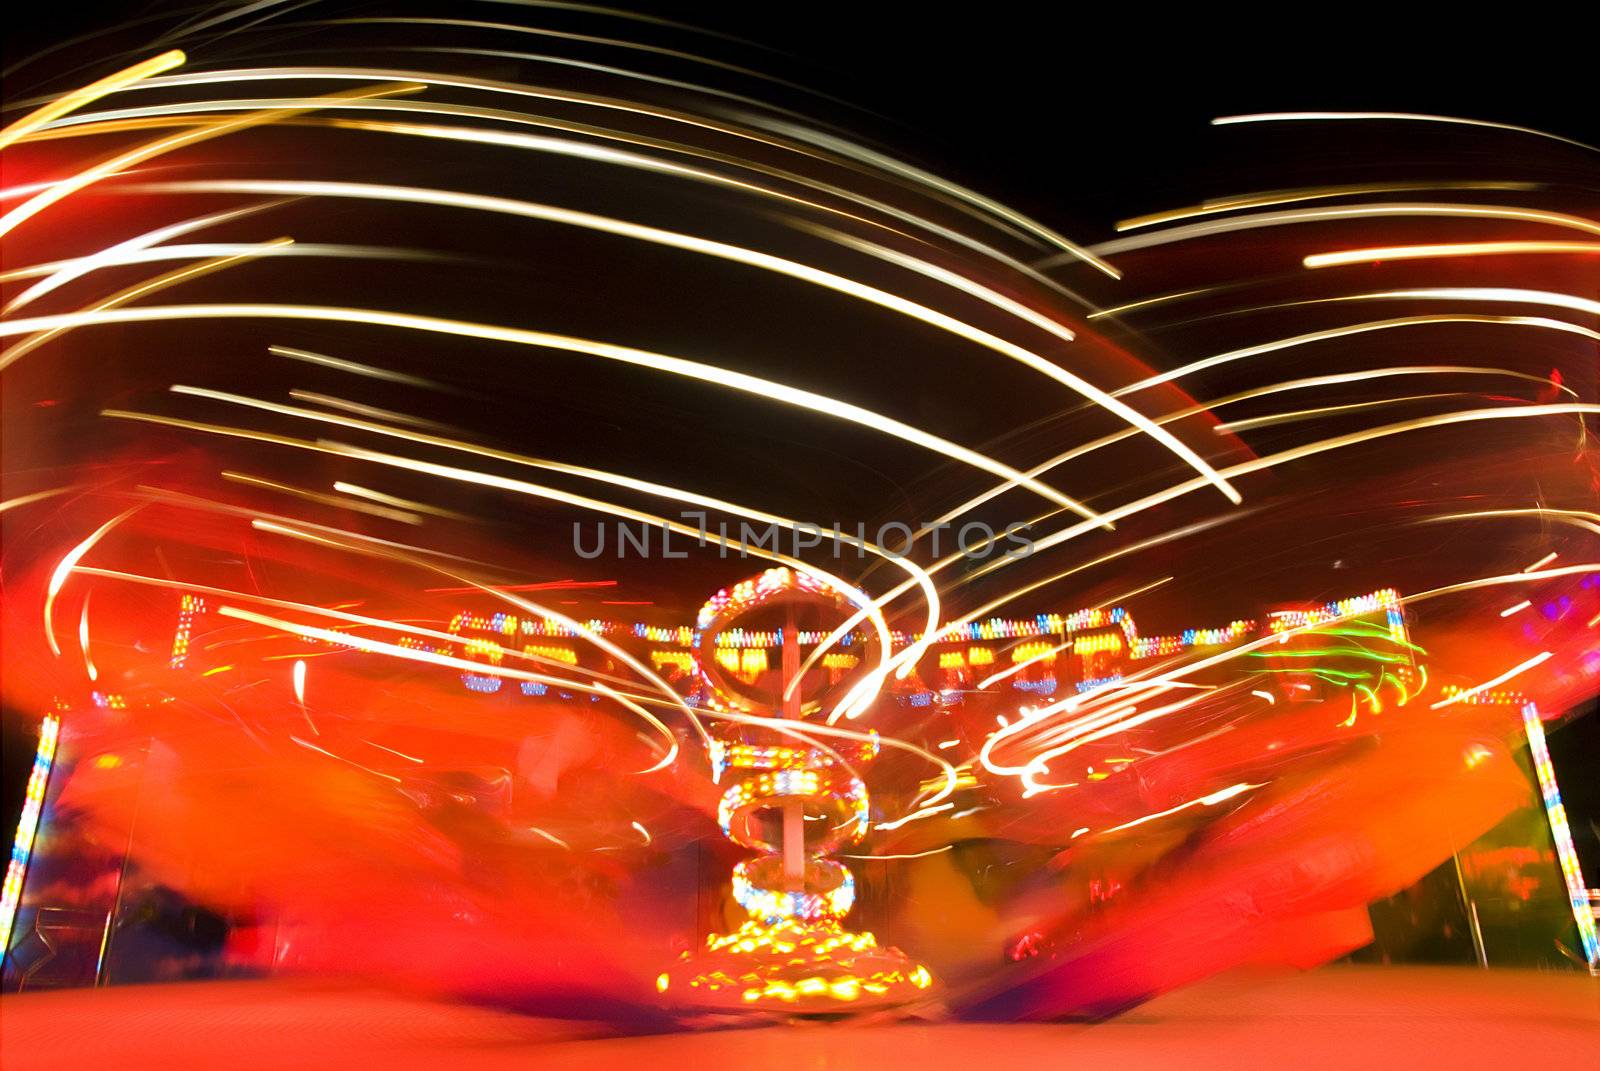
{"x": 1341, "y": 1017}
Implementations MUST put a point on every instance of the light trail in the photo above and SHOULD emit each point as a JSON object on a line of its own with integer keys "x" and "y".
{"x": 1403, "y": 117}
{"x": 1230, "y": 427}
{"x": 1495, "y": 682}
{"x": 121, "y": 162}
{"x": 59, "y": 273}
{"x": 341, "y": 615}
{"x": 755, "y": 259}
{"x": 64, "y": 569}
{"x": 172, "y": 114}
{"x": 1220, "y": 796}
{"x": 917, "y": 574}
{"x": 1328, "y": 334}
{"x": 337, "y": 501}
{"x": 799, "y": 140}
{"x": 723, "y": 377}
{"x": 353, "y": 367}
{"x": 77, "y": 98}
{"x": 161, "y": 282}
{"x": 1444, "y": 250}
{"x": 1337, "y": 213}
{"x": 1216, "y": 205}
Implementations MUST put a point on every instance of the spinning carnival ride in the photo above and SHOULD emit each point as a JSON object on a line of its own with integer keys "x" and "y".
{"x": 765, "y": 663}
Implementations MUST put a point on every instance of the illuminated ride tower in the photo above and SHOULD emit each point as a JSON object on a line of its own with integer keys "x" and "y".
{"x": 794, "y": 802}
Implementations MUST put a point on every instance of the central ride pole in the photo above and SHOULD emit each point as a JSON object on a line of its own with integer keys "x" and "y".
{"x": 794, "y": 814}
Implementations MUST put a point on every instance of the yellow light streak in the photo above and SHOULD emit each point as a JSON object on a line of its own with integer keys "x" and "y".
{"x": 59, "y": 273}
{"x": 64, "y": 569}
{"x": 917, "y": 574}
{"x": 351, "y": 366}
{"x": 1419, "y": 117}
{"x": 1220, "y": 796}
{"x": 1336, "y": 213}
{"x": 160, "y": 147}
{"x": 1215, "y": 205}
{"x": 762, "y": 261}
{"x": 704, "y": 373}
{"x": 1442, "y": 250}
{"x": 1049, "y": 652}
{"x": 83, "y": 641}
{"x": 1488, "y": 685}
{"x": 323, "y": 499}
{"x": 400, "y": 503}
{"x": 360, "y": 409}
{"x": 309, "y": 746}
{"x": 1327, "y": 334}
{"x": 1232, "y": 426}
{"x": 77, "y": 98}
{"x": 149, "y": 286}
{"x": 37, "y": 496}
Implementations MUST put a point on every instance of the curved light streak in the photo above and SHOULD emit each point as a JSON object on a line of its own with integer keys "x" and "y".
{"x": 676, "y": 494}
{"x": 1334, "y": 213}
{"x": 1418, "y": 117}
{"x": 61, "y": 272}
{"x": 723, "y": 377}
{"x": 1237, "y": 202}
{"x": 1327, "y": 334}
{"x": 1444, "y": 250}
{"x": 64, "y": 568}
{"x": 64, "y": 188}
{"x": 77, "y": 98}
{"x": 755, "y": 259}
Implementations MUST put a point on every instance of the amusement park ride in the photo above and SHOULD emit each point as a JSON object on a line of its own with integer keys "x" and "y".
{"x": 774, "y": 663}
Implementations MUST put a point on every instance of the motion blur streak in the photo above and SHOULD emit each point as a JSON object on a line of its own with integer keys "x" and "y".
{"x": 1462, "y": 249}
{"x": 121, "y": 162}
{"x": 1263, "y": 200}
{"x": 491, "y": 333}
{"x": 1539, "y": 322}
{"x": 1511, "y": 412}
{"x": 1291, "y": 117}
{"x": 70, "y": 102}
{"x": 918, "y": 575}
{"x": 766, "y": 262}
{"x": 60, "y": 273}
{"x": 1495, "y": 682}
{"x": 439, "y": 629}
{"x": 1343, "y": 212}
{"x": 63, "y": 572}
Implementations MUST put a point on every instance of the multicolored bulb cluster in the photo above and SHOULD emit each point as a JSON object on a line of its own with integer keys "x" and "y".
{"x": 758, "y": 589}
{"x": 769, "y": 638}
{"x": 189, "y": 607}
{"x": 32, "y": 808}
{"x": 792, "y": 950}
{"x": 1561, "y": 833}
{"x": 1386, "y": 600}
{"x": 730, "y": 646}
{"x": 831, "y": 966}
